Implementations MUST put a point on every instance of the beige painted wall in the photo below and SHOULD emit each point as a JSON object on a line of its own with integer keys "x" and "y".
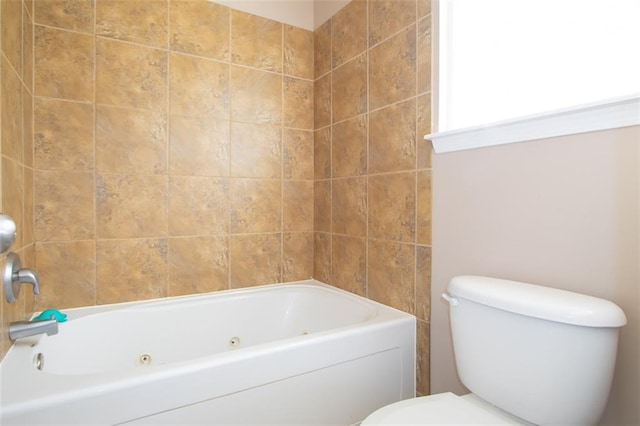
{"x": 561, "y": 212}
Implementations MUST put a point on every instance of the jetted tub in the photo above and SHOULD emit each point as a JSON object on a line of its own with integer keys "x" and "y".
{"x": 295, "y": 353}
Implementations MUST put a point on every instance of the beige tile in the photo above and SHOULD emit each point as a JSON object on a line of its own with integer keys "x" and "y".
{"x": 63, "y": 135}
{"x": 12, "y": 196}
{"x": 322, "y": 153}
{"x": 349, "y": 89}
{"x": 392, "y": 138}
{"x": 256, "y": 150}
{"x": 392, "y": 69}
{"x": 387, "y": 17}
{"x": 298, "y": 206}
{"x": 424, "y": 55}
{"x": 256, "y": 96}
{"x": 298, "y": 52}
{"x": 422, "y": 361}
{"x": 130, "y": 141}
{"x": 199, "y": 87}
{"x": 11, "y": 105}
{"x": 322, "y": 206}
{"x": 64, "y": 64}
{"x": 142, "y": 22}
{"x": 11, "y": 32}
{"x": 423, "y": 283}
{"x": 297, "y": 154}
{"x": 391, "y": 274}
{"x": 349, "y": 206}
{"x": 423, "y": 231}
{"x": 199, "y": 146}
{"x": 27, "y": 128}
{"x": 322, "y": 102}
{"x": 256, "y": 41}
{"x": 255, "y": 259}
{"x": 75, "y": 15}
{"x": 298, "y": 103}
{"x": 322, "y": 257}
{"x": 130, "y": 270}
{"x": 322, "y": 49}
{"x": 349, "y": 32}
{"x": 423, "y": 107}
{"x": 349, "y": 270}
{"x": 297, "y": 256}
{"x": 28, "y": 236}
{"x": 392, "y": 206}
{"x": 349, "y": 147}
{"x": 424, "y": 8}
{"x": 131, "y": 75}
{"x": 130, "y": 206}
{"x": 67, "y": 274}
{"x": 200, "y": 28}
{"x": 198, "y": 206}
{"x": 198, "y": 265}
{"x": 256, "y": 206}
{"x": 29, "y": 6}
{"x": 64, "y": 206}
{"x": 27, "y": 50}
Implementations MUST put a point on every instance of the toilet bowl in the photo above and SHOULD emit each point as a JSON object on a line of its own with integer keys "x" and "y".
{"x": 522, "y": 350}
{"x": 442, "y": 409}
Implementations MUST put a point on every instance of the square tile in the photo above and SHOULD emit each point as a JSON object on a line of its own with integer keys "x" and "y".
{"x": 64, "y": 64}
{"x": 130, "y": 141}
{"x": 64, "y": 138}
{"x": 131, "y": 75}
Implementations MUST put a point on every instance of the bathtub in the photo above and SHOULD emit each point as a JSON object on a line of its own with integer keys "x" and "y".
{"x": 294, "y": 353}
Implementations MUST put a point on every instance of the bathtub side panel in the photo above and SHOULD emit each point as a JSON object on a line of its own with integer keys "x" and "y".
{"x": 339, "y": 395}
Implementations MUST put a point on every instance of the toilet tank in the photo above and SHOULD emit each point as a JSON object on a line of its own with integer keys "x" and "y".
{"x": 542, "y": 354}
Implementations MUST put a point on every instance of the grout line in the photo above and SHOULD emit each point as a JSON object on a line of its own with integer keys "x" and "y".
{"x": 229, "y": 159}
{"x": 368, "y": 171}
{"x": 167, "y": 115}
{"x": 94, "y": 105}
{"x": 415, "y": 191}
{"x": 331, "y": 216}
{"x": 282, "y": 110}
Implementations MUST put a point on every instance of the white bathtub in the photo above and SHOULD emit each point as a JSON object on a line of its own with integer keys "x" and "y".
{"x": 296, "y": 353}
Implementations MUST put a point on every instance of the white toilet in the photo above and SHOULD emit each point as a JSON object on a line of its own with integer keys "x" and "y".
{"x": 528, "y": 354}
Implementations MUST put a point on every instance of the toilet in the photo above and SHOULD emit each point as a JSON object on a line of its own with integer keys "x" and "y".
{"x": 528, "y": 354}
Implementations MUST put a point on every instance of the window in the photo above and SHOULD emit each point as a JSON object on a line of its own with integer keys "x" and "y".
{"x": 504, "y": 62}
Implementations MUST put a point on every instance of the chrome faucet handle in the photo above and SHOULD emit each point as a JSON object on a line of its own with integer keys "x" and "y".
{"x": 13, "y": 275}
{"x": 28, "y": 276}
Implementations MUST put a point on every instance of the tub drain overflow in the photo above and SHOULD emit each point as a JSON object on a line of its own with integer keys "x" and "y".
{"x": 38, "y": 361}
{"x": 234, "y": 342}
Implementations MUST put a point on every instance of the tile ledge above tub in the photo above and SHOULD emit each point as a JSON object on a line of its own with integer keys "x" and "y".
{"x": 602, "y": 115}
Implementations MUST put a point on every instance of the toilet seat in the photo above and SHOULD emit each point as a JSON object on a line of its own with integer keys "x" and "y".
{"x": 443, "y": 409}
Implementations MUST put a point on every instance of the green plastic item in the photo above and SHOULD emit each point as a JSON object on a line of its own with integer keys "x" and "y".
{"x": 51, "y": 314}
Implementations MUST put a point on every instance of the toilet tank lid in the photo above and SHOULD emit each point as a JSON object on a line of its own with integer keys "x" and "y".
{"x": 537, "y": 301}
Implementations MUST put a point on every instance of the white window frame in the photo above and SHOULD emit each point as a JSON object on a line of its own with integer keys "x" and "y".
{"x": 601, "y": 115}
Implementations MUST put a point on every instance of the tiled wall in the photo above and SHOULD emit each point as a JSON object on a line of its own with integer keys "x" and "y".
{"x": 372, "y": 167}
{"x": 173, "y": 150}
{"x": 16, "y": 129}
{"x": 170, "y": 150}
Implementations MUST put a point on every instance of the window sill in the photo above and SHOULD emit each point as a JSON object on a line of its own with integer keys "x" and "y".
{"x": 611, "y": 114}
